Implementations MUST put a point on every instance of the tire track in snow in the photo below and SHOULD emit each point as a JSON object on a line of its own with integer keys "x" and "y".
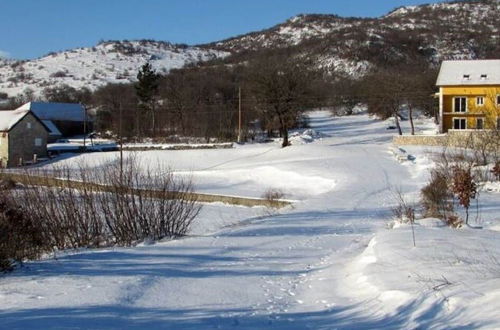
{"x": 133, "y": 292}
{"x": 236, "y": 159}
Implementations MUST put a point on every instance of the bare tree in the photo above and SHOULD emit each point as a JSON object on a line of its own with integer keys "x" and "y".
{"x": 391, "y": 90}
{"x": 387, "y": 91}
{"x": 282, "y": 88}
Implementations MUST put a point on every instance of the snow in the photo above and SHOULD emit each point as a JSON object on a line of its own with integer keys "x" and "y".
{"x": 78, "y": 144}
{"x": 457, "y": 73}
{"x": 490, "y": 186}
{"x": 328, "y": 261}
{"x": 9, "y": 118}
{"x": 306, "y": 136}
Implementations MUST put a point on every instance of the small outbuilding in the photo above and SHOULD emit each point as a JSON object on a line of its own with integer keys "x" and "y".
{"x": 23, "y": 138}
{"x": 69, "y": 119}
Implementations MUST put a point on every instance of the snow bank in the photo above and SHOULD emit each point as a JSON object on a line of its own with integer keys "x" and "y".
{"x": 490, "y": 186}
{"x": 450, "y": 279}
{"x": 307, "y": 136}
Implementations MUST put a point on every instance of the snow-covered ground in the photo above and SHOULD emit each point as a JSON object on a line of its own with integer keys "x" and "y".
{"x": 329, "y": 261}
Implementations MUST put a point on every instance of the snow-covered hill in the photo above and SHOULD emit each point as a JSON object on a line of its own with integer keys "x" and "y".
{"x": 108, "y": 62}
{"x": 450, "y": 30}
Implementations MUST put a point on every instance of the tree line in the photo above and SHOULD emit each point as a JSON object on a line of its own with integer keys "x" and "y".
{"x": 272, "y": 91}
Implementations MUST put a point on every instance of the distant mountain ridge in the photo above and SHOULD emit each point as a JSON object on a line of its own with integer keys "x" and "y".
{"x": 91, "y": 67}
{"x": 433, "y": 32}
{"x": 348, "y": 46}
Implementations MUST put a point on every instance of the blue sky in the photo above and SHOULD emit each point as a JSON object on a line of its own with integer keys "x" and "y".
{"x": 32, "y": 28}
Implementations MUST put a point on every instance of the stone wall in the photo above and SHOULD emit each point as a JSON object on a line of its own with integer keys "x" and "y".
{"x": 22, "y": 141}
{"x": 456, "y": 138}
{"x": 425, "y": 140}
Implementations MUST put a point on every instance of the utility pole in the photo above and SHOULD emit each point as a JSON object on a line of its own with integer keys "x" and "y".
{"x": 84, "y": 126}
{"x": 239, "y": 114}
{"x": 121, "y": 142}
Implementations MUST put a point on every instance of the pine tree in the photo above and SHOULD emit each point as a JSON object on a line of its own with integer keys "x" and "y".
{"x": 147, "y": 91}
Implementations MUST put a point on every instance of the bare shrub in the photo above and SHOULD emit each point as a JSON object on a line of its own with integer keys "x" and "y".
{"x": 453, "y": 220}
{"x": 58, "y": 74}
{"x": 272, "y": 197}
{"x": 436, "y": 196}
{"x": 7, "y": 184}
{"x": 464, "y": 187}
{"x": 496, "y": 170}
{"x": 146, "y": 203}
{"x": 273, "y": 194}
{"x": 117, "y": 203}
{"x": 404, "y": 211}
{"x": 458, "y": 167}
{"x": 20, "y": 236}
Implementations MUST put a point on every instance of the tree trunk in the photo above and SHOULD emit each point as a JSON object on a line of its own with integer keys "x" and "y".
{"x": 284, "y": 132}
{"x": 396, "y": 118}
{"x": 410, "y": 113}
{"x": 137, "y": 123}
{"x": 154, "y": 123}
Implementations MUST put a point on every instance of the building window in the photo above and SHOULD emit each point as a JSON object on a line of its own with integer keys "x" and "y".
{"x": 479, "y": 101}
{"x": 480, "y": 123}
{"x": 460, "y": 104}
{"x": 498, "y": 100}
{"x": 38, "y": 142}
{"x": 28, "y": 125}
{"x": 459, "y": 123}
{"x": 498, "y": 122}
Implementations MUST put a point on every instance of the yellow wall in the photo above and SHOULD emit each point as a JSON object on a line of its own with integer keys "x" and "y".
{"x": 489, "y": 111}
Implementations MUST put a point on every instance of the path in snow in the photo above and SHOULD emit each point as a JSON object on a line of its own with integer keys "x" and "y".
{"x": 267, "y": 271}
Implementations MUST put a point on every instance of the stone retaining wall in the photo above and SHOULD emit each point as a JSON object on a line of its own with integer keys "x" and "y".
{"x": 28, "y": 180}
{"x": 460, "y": 139}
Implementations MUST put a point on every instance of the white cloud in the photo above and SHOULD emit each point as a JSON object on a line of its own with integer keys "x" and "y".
{"x": 4, "y": 54}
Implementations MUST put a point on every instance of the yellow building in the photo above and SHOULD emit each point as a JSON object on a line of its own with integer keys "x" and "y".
{"x": 469, "y": 95}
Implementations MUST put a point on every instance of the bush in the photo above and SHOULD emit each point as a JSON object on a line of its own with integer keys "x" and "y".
{"x": 464, "y": 187}
{"x": 112, "y": 205}
{"x": 58, "y": 74}
{"x": 272, "y": 195}
{"x": 453, "y": 221}
{"x": 435, "y": 196}
{"x": 115, "y": 204}
{"x": 496, "y": 170}
{"x": 404, "y": 211}
{"x": 7, "y": 184}
{"x": 20, "y": 236}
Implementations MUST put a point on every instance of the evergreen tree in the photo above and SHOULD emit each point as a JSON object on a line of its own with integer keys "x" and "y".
{"x": 147, "y": 90}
